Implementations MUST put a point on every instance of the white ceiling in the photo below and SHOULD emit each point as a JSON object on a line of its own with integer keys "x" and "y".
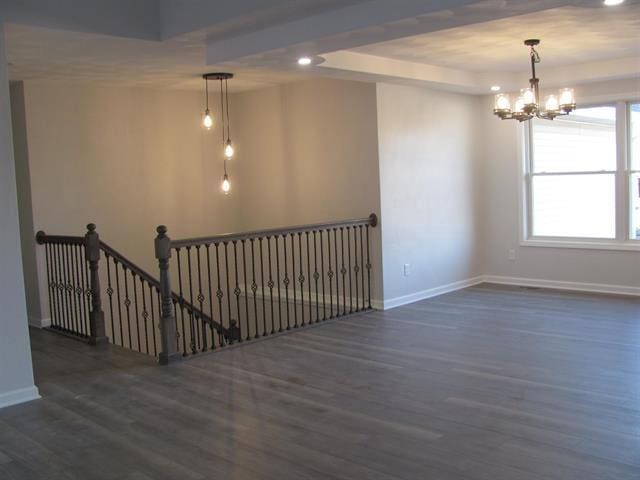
{"x": 58, "y": 55}
{"x": 462, "y": 45}
{"x": 569, "y": 35}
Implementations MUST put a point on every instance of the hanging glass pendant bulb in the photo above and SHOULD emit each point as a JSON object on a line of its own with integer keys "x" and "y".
{"x": 226, "y": 185}
{"x": 229, "y": 150}
{"x": 207, "y": 120}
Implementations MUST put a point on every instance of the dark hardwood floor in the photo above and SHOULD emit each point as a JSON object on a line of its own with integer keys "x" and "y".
{"x": 486, "y": 383}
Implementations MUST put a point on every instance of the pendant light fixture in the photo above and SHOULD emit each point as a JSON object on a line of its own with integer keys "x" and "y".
{"x": 207, "y": 119}
{"x": 527, "y": 105}
{"x": 227, "y": 146}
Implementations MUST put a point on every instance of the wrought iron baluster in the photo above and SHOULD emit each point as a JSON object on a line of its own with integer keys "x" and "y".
{"x": 316, "y": 275}
{"x": 82, "y": 290}
{"x": 309, "y": 279}
{"x": 179, "y": 333}
{"x": 56, "y": 290}
{"x": 301, "y": 279}
{"x": 343, "y": 271}
{"x": 49, "y": 283}
{"x": 87, "y": 289}
{"x": 286, "y": 280}
{"x": 226, "y": 271}
{"x": 270, "y": 284}
{"x": 246, "y": 291}
{"x": 181, "y": 303}
{"x": 330, "y": 273}
{"x": 356, "y": 267}
{"x": 110, "y": 294}
{"x": 238, "y": 291}
{"x": 153, "y": 319}
{"x": 324, "y": 296}
{"x": 201, "y": 302}
{"x": 213, "y": 337}
{"x": 135, "y": 308}
{"x": 78, "y": 301}
{"x": 254, "y": 288}
{"x": 349, "y": 265}
{"x": 278, "y": 283}
{"x": 264, "y": 310}
{"x": 68, "y": 288}
{"x": 335, "y": 247}
{"x": 193, "y": 324}
{"x": 362, "y": 267}
{"x": 368, "y": 267}
{"x": 145, "y": 315}
{"x": 127, "y": 304}
{"x": 119, "y": 302}
{"x": 219, "y": 292}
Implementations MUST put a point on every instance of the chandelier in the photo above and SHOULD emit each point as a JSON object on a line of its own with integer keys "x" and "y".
{"x": 207, "y": 120}
{"x": 527, "y": 105}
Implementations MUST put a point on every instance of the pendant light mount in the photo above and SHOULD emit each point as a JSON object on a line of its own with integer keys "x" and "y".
{"x": 217, "y": 76}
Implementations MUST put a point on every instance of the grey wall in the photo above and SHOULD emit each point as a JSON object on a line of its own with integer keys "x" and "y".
{"x": 501, "y": 157}
{"x": 430, "y": 194}
{"x": 36, "y": 303}
{"x": 16, "y": 375}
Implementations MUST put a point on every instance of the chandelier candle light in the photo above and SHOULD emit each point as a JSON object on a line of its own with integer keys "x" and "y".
{"x": 527, "y": 105}
{"x": 227, "y": 146}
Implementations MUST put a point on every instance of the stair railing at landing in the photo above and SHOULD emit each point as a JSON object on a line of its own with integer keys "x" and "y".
{"x": 228, "y": 289}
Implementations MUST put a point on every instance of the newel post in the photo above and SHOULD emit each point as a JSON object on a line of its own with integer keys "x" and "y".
{"x": 168, "y": 350}
{"x": 97, "y": 333}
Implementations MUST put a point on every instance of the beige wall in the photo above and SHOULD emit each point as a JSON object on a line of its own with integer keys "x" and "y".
{"x": 502, "y": 157}
{"x": 307, "y": 152}
{"x": 126, "y": 159}
{"x": 130, "y": 159}
{"x": 430, "y": 193}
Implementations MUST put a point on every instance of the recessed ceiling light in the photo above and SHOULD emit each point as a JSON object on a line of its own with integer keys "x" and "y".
{"x": 304, "y": 61}
{"x": 495, "y": 88}
{"x": 613, "y": 3}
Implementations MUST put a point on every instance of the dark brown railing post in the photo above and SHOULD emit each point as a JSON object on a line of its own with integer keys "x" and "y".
{"x": 168, "y": 350}
{"x": 97, "y": 333}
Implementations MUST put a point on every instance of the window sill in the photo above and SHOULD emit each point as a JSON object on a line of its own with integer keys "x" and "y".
{"x": 630, "y": 245}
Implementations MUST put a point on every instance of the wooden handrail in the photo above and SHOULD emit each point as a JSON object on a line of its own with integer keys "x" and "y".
{"x": 371, "y": 220}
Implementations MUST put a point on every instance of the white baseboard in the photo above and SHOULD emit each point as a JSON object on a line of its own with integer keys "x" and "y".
{"x": 19, "y": 396}
{"x": 562, "y": 285}
{"x": 39, "y": 322}
{"x": 429, "y": 293}
{"x": 516, "y": 281}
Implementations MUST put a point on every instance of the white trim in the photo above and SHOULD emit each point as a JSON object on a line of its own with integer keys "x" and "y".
{"x": 501, "y": 280}
{"x": 20, "y": 395}
{"x": 429, "y": 293}
{"x": 39, "y": 322}
{"x": 630, "y": 245}
{"x": 563, "y": 285}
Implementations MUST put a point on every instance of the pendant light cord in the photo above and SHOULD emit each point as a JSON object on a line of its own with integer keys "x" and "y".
{"x": 224, "y": 161}
{"x": 206, "y": 90}
{"x": 226, "y": 87}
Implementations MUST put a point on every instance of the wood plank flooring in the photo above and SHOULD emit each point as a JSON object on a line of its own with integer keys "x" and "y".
{"x": 486, "y": 383}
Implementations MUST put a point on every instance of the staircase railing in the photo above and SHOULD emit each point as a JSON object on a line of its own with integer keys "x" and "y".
{"x": 229, "y": 288}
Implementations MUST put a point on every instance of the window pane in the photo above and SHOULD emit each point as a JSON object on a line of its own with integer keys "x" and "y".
{"x": 635, "y": 206}
{"x": 634, "y": 136}
{"x": 583, "y": 141}
{"x": 574, "y": 206}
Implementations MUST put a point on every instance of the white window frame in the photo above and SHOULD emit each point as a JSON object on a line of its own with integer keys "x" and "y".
{"x": 623, "y": 174}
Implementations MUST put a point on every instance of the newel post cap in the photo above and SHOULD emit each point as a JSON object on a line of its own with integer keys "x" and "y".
{"x": 162, "y": 243}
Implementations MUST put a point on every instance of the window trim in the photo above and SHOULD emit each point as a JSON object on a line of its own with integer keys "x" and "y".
{"x": 623, "y": 173}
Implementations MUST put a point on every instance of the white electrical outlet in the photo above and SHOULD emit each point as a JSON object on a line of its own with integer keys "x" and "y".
{"x": 511, "y": 255}
{"x": 407, "y": 269}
